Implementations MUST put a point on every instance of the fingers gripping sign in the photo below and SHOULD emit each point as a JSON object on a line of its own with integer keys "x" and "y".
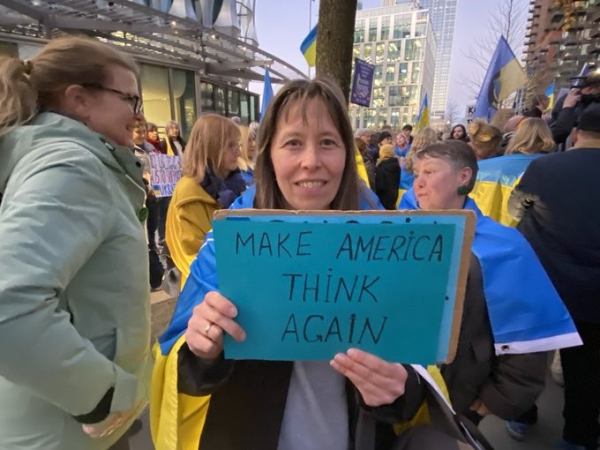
{"x": 210, "y": 319}
{"x": 378, "y": 381}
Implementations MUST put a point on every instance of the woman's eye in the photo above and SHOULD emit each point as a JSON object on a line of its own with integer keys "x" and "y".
{"x": 328, "y": 142}
{"x": 292, "y": 143}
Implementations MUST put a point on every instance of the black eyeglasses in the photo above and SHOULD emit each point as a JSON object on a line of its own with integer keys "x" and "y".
{"x": 133, "y": 100}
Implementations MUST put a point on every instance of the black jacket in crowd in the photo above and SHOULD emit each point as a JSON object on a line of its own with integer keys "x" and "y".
{"x": 558, "y": 201}
{"x": 387, "y": 181}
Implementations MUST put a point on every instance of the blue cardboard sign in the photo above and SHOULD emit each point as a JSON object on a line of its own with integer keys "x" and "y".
{"x": 310, "y": 286}
{"x": 362, "y": 83}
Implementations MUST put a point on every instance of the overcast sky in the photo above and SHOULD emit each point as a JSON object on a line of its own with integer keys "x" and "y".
{"x": 283, "y": 24}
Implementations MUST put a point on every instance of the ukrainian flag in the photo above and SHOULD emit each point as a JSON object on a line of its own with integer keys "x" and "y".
{"x": 504, "y": 76}
{"x": 496, "y": 179}
{"x": 423, "y": 120}
{"x": 309, "y": 47}
{"x": 550, "y": 94}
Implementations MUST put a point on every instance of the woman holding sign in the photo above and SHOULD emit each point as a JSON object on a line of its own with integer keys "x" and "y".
{"x": 512, "y": 313}
{"x": 306, "y": 162}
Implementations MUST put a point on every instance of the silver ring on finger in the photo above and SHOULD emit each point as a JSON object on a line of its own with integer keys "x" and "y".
{"x": 207, "y": 329}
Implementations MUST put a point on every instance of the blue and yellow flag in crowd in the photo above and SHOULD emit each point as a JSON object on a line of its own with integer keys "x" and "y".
{"x": 309, "y": 47}
{"x": 423, "y": 120}
{"x": 267, "y": 94}
{"x": 504, "y": 76}
{"x": 550, "y": 94}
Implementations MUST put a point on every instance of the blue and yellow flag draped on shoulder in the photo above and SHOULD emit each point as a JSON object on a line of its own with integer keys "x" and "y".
{"x": 309, "y": 47}
{"x": 496, "y": 179}
{"x": 526, "y": 313}
{"x": 504, "y": 76}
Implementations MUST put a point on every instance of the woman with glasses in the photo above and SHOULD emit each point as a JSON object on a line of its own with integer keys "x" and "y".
{"x": 211, "y": 180}
{"x": 74, "y": 296}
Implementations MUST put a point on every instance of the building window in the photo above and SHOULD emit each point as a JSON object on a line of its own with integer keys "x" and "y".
{"x": 393, "y": 51}
{"x": 393, "y": 96}
{"x": 368, "y": 55}
{"x": 416, "y": 73}
{"x": 207, "y": 97}
{"x": 184, "y": 99}
{"x": 356, "y": 51}
{"x": 378, "y": 97}
{"x": 244, "y": 108}
{"x": 403, "y": 73}
{"x": 220, "y": 101}
{"x": 380, "y": 53}
{"x": 420, "y": 29}
{"x": 372, "y": 29}
{"x": 413, "y": 50}
{"x": 253, "y": 105}
{"x": 395, "y": 122}
{"x": 402, "y": 24}
{"x": 390, "y": 73}
{"x": 154, "y": 81}
{"x": 378, "y": 76}
{"x": 359, "y": 31}
{"x": 233, "y": 103}
{"x": 385, "y": 29}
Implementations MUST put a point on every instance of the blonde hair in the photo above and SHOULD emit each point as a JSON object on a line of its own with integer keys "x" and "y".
{"x": 533, "y": 136}
{"x": 386, "y": 152}
{"x": 485, "y": 138}
{"x": 244, "y": 162}
{"x": 299, "y": 93}
{"x": 28, "y": 86}
{"x": 210, "y": 134}
{"x": 426, "y": 136}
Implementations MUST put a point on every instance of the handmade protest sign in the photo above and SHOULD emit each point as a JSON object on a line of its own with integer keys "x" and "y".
{"x": 310, "y": 285}
{"x": 165, "y": 173}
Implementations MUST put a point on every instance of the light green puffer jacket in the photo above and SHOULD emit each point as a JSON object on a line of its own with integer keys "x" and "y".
{"x": 74, "y": 295}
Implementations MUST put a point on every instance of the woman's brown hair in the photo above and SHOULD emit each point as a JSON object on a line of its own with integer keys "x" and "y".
{"x": 299, "y": 93}
{"x": 210, "y": 135}
{"x": 28, "y": 86}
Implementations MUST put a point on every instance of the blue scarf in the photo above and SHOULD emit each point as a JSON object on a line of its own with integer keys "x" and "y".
{"x": 526, "y": 313}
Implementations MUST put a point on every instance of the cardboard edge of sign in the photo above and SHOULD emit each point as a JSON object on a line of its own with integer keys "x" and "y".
{"x": 465, "y": 257}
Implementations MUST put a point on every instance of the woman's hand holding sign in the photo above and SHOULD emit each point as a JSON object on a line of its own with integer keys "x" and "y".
{"x": 209, "y": 320}
{"x": 378, "y": 381}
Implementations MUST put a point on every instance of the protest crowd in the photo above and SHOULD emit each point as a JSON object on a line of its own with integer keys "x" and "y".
{"x": 87, "y": 231}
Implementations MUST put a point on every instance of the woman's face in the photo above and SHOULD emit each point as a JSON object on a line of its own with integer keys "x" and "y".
{"x": 401, "y": 140}
{"x": 229, "y": 157}
{"x": 457, "y": 133}
{"x": 108, "y": 112}
{"x": 308, "y": 157}
{"x": 153, "y": 135}
{"x": 173, "y": 131}
{"x": 437, "y": 182}
{"x": 139, "y": 135}
{"x": 251, "y": 148}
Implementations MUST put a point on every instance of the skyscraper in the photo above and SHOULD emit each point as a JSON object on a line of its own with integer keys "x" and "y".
{"x": 400, "y": 42}
{"x": 443, "y": 18}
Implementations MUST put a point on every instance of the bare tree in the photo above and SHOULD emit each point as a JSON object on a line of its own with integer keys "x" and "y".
{"x": 335, "y": 38}
{"x": 453, "y": 114}
{"x": 508, "y": 19}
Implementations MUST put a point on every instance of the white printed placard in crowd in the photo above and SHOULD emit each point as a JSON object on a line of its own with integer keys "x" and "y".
{"x": 166, "y": 172}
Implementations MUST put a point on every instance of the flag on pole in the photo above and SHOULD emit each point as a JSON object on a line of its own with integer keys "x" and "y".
{"x": 423, "y": 120}
{"x": 309, "y": 47}
{"x": 267, "y": 94}
{"x": 504, "y": 76}
{"x": 550, "y": 94}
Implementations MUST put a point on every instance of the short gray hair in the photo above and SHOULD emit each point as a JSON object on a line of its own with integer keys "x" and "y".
{"x": 361, "y": 132}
